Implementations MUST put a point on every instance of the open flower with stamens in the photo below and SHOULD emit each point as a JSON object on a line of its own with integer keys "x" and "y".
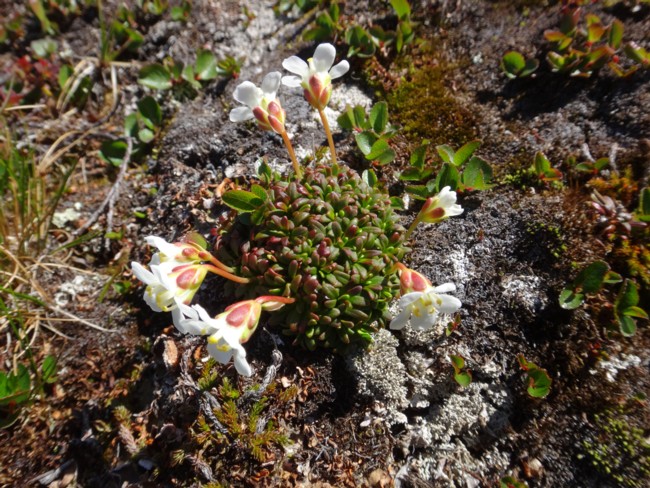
{"x": 260, "y": 103}
{"x": 170, "y": 284}
{"x": 231, "y": 328}
{"x": 421, "y": 302}
{"x": 315, "y": 76}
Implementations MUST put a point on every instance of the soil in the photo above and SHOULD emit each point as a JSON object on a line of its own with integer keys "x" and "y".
{"x": 138, "y": 406}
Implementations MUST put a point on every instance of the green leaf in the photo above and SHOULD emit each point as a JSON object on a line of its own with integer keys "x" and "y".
{"x": 448, "y": 176}
{"x": 49, "y": 370}
{"x": 644, "y": 205}
{"x": 381, "y": 152}
{"x": 628, "y": 296}
{"x": 464, "y": 153}
{"x": 446, "y": 153}
{"x": 146, "y": 135}
{"x": 591, "y": 279}
{"x": 627, "y": 326}
{"x": 346, "y": 119}
{"x": 419, "y": 155}
{"x": 458, "y": 362}
{"x": 570, "y": 300}
{"x": 539, "y": 383}
{"x": 615, "y": 34}
{"x": 150, "y": 111}
{"x": 155, "y": 76}
{"x": 512, "y": 64}
{"x": 365, "y": 140}
{"x": 411, "y": 174}
{"x": 370, "y": 177}
{"x": 510, "y": 482}
{"x": 463, "y": 378}
{"x": 15, "y": 388}
{"x": 131, "y": 125}
{"x": 44, "y": 47}
{"x": 379, "y": 117}
{"x": 260, "y": 192}
{"x": 477, "y": 174}
{"x": 402, "y": 8}
{"x": 242, "y": 200}
{"x": 542, "y": 164}
{"x": 635, "y": 311}
{"x": 419, "y": 191}
{"x": 206, "y": 65}
{"x": 113, "y": 151}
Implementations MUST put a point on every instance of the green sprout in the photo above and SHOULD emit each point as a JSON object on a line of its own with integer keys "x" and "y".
{"x": 514, "y": 65}
{"x": 373, "y": 132}
{"x": 539, "y": 382}
{"x": 462, "y": 375}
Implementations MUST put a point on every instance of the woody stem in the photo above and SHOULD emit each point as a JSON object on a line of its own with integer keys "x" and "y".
{"x": 328, "y": 133}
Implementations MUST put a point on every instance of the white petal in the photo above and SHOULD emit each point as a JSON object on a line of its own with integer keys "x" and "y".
{"x": 166, "y": 248}
{"x": 424, "y": 321}
{"x": 454, "y": 210}
{"x": 449, "y": 304}
{"x": 248, "y": 94}
{"x": 271, "y": 83}
{"x": 291, "y": 81}
{"x": 150, "y": 299}
{"x": 324, "y": 57}
{"x": 445, "y": 288}
{"x": 141, "y": 273}
{"x": 401, "y": 320}
{"x": 240, "y": 114}
{"x": 177, "y": 317}
{"x": 242, "y": 366}
{"x": 221, "y": 356}
{"x": 409, "y": 298}
{"x": 339, "y": 70}
{"x": 296, "y": 66}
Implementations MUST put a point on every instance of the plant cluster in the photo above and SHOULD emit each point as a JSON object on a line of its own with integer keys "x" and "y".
{"x": 330, "y": 23}
{"x": 323, "y": 244}
{"x": 591, "y": 279}
{"x": 186, "y": 80}
{"x": 582, "y": 46}
{"x": 460, "y": 170}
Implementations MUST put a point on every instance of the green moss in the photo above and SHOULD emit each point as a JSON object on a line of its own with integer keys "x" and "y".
{"x": 425, "y": 109}
{"x": 549, "y": 236}
{"x": 618, "y": 449}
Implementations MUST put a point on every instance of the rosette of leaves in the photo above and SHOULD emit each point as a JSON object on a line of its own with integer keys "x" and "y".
{"x": 329, "y": 240}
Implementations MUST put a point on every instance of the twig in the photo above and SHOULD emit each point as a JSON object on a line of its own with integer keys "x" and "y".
{"x": 111, "y": 197}
{"x": 269, "y": 376}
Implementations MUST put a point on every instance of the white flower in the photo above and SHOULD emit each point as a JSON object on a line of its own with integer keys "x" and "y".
{"x": 169, "y": 284}
{"x": 315, "y": 76}
{"x": 422, "y": 308}
{"x": 260, "y": 103}
{"x": 440, "y": 207}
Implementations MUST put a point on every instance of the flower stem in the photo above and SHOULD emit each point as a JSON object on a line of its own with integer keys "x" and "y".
{"x": 412, "y": 227}
{"x": 219, "y": 264}
{"x": 328, "y": 133}
{"x": 226, "y": 274}
{"x": 292, "y": 154}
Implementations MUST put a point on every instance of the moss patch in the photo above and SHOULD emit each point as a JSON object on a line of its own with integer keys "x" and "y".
{"x": 425, "y": 109}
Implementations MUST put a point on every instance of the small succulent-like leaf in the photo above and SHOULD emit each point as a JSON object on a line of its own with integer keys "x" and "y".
{"x": 155, "y": 76}
{"x": 463, "y": 378}
{"x": 402, "y": 8}
{"x": 627, "y": 326}
{"x": 458, "y": 362}
{"x": 635, "y": 311}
